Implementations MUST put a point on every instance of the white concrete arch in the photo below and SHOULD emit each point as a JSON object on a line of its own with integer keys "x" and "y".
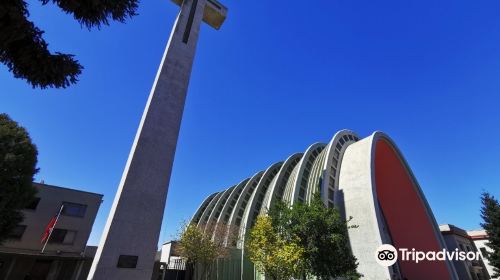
{"x": 315, "y": 176}
{"x": 303, "y": 172}
{"x": 290, "y": 184}
{"x": 332, "y": 164}
{"x": 361, "y": 196}
{"x": 228, "y": 207}
{"x": 255, "y": 202}
{"x": 209, "y": 209}
{"x": 196, "y": 217}
{"x": 276, "y": 190}
{"x": 242, "y": 202}
{"x": 214, "y": 215}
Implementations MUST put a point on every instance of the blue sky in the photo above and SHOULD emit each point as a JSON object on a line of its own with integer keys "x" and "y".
{"x": 277, "y": 77}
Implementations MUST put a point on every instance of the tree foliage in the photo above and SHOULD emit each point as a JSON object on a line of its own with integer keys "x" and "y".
{"x": 490, "y": 212}
{"x": 195, "y": 246}
{"x": 322, "y": 233}
{"x": 203, "y": 244}
{"x": 24, "y": 51}
{"x": 18, "y": 158}
{"x": 272, "y": 254}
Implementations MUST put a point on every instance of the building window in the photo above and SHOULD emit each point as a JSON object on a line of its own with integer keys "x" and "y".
{"x": 33, "y": 204}
{"x": 74, "y": 209}
{"x": 17, "y": 232}
{"x": 62, "y": 236}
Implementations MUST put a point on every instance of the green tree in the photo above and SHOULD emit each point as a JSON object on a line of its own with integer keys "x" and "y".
{"x": 25, "y": 52}
{"x": 202, "y": 245}
{"x": 322, "y": 233}
{"x": 490, "y": 212}
{"x": 18, "y": 158}
{"x": 272, "y": 254}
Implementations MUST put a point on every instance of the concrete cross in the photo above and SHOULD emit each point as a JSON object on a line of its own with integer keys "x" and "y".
{"x": 214, "y": 13}
{"x": 128, "y": 245}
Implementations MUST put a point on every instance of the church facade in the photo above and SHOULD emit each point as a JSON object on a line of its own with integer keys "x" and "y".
{"x": 365, "y": 178}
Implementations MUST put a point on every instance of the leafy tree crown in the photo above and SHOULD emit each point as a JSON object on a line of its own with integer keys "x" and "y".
{"x": 18, "y": 159}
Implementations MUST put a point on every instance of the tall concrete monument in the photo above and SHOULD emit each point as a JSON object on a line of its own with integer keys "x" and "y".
{"x": 129, "y": 242}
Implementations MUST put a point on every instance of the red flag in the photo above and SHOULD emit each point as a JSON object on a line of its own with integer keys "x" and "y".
{"x": 50, "y": 226}
{"x": 48, "y": 229}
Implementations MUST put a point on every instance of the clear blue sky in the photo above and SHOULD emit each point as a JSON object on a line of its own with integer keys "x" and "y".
{"x": 277, "y": 77}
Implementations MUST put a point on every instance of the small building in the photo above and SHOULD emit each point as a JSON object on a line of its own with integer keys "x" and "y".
{"x": 480, "y": 239}
{"x": 66, "y": 255}
{"x": 169, "y": 265}
{"x": 457, "y": 238}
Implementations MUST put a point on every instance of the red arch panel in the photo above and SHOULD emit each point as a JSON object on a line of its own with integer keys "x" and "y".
{"x": 405, "y": 215}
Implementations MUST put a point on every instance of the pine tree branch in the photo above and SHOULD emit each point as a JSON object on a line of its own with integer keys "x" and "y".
{"x": 26, "y": 54}
{"x": 98, "y": 12}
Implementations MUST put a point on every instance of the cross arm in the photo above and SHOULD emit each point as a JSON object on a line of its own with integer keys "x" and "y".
{"x": 214, "y": 13}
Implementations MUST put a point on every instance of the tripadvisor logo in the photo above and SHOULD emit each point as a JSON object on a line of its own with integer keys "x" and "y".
{"x": 387, "y": 255}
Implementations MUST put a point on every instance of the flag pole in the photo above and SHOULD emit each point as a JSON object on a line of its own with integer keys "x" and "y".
{"x": 50, "y": 232}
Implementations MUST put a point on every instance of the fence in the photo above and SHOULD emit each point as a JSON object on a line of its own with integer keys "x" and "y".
{"x": 221, "y": 269}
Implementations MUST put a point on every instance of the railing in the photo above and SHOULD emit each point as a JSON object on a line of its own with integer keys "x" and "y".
{"x": 176, "y": 264}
